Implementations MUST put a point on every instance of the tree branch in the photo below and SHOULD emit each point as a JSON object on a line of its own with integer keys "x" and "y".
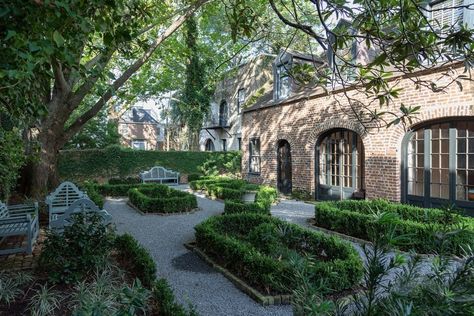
{"x": 89, "y": 114}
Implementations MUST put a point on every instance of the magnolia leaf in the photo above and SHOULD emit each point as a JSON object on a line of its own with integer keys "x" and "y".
{"x": 58, "y": 39}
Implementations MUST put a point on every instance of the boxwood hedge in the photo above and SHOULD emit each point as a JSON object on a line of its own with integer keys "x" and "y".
{"x": 263, "y": 200}
{"x": 424, "y": 230}
{"x": 159, "y": 198}
{"x": 258, "y": 249}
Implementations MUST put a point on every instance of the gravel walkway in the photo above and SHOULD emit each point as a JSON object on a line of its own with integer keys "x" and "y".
{"x": 192, "y": 280}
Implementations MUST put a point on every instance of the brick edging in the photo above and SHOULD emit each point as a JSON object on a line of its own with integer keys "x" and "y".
{"x": 160, "y": 213}
{"x": 265, "y": 300}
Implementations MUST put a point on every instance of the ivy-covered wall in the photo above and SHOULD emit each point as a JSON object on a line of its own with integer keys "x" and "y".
{"x": 111, "y": 162}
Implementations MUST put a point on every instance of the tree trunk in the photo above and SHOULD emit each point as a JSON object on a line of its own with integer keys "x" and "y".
{"x": 44, "y": 172}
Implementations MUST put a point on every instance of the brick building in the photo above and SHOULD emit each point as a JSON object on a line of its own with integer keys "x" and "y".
{"x": 312, "y": 141}
{"x": 222, "y": 128}
{"x": 139, "y": 129}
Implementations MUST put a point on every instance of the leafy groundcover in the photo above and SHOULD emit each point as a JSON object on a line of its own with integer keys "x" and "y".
{"x": 419, "y": 229}
{"x": 267, "y": 252}
{"x": 159, "y": 198}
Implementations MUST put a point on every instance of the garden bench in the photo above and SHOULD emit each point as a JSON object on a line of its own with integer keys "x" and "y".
{"x": 159, "y": 174}
{"x": 63, "y": 197}
{"x": 19, "y": 220}
{"x": 79, "y": 206}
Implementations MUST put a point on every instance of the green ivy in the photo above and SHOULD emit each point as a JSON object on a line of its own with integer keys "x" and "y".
{"x": 114, "y": 161}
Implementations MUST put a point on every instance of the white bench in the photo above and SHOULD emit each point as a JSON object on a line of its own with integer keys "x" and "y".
{"x": 63, "y": 197}
{"x": 83, "y": 205}
{"x": 19, "y": 220}
{"x": 160, "y": 174}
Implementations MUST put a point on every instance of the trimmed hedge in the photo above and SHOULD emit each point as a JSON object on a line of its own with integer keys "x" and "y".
{"x": 159, "y": 198}
{"x": 93, "y": 194}
{"x": 257, "y": 248}
{"x": 127, "y": 180}
{"x": 264, "y": 199}
{"x": 119, "y": 189}
{"x": 139, "y": 260}
{"x": 142, "y": 266}
{"x": 114, "y": 161}
{"x": 421, "y": 227}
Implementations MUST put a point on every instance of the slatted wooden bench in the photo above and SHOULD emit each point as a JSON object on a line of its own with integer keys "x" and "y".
{"x": 81, "y": 205}
{"x": 64, "y": 196}
{"x": 160, "y": 174}
{"x": 19, "y": 220}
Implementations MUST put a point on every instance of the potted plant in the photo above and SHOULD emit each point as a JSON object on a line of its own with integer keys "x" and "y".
{"x": 250, "y": 193}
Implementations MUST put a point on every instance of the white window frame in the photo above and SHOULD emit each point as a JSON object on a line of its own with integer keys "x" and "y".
{"x": 240, "y": 99}
{"x": 140, "y": 142}
{"x": 282, "y": 74}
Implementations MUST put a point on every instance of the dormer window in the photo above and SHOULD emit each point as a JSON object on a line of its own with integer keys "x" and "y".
{"x": 282, "y": 81}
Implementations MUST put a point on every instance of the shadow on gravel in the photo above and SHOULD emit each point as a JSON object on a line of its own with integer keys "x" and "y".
{"x": 191, "y": 262}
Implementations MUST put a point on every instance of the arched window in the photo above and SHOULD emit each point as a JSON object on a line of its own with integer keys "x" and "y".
{"x": 223, "y": 114}
{"x": 340, "y": 169}
{"x": 209, "y": 146}
{"x": 438, "y": 164}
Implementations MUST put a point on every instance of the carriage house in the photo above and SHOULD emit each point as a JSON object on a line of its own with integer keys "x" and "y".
{"x": 310, "y": 140}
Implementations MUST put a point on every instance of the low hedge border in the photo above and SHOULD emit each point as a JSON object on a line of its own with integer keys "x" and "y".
{"x": 264, "y": 199}
{"x": 93, "y": 194}
{"x": 420, "y": 226}
{"x": 143, "y": 267}
{"x": 228, "y": 239}
{"x": 117, "y": 190}
{"x": 159, "y": 198}
{"x": 265, "y": 300}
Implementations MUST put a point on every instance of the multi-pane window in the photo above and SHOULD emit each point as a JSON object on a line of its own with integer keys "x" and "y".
{"x": 283, "y": 81}
{"x": 441, "y": 157}
{"x": 340, "y": 160}
{"x": 209, "y": 145}
{"x": 446, "y": 14}
{"x": 139, "y": 144}
{"x": 223, "y": 114}
{"x": 415, "y": 164}
{"x": 465, "y": 161}
{"x": 254, "y": 150}
{"x": 240, "y": 99}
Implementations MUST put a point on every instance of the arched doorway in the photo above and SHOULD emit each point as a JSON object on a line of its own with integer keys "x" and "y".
{"x": 438, "y": 164}
{"x": 284, "y": 167}
{"x": 209, "y": 146}
{"x": 339, "y": 165}
{"x": 223, "y": 114}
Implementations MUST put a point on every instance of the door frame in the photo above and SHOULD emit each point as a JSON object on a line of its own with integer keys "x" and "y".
{"x": 280, "y": 144}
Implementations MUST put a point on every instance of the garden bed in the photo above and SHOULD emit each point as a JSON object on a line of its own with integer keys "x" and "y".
{"x": 161, "y": 199}
{"x": 418, "y": 229}
{"x": 261, "y": 251}
{"x": 88, "y": 270}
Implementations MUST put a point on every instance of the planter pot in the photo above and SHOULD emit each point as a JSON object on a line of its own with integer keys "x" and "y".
{"x": 249, "y": 197}
{"x": 470, "y": 195}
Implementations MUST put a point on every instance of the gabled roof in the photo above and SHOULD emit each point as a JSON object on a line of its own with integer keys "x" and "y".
{"x": 138, "y": 115}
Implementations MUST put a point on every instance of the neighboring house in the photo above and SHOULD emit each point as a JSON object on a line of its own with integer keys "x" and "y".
{"x": 139, "y": 129}
{"x": 312, "y": 141}
{"x": 222, "y": 128}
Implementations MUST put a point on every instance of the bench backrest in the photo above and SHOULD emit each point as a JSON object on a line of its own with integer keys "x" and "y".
{"x": 83, "y": 205}
{"x": 159, "y": 172}
{"x": 3, "y": 210}
{"x": 65, "y": 195}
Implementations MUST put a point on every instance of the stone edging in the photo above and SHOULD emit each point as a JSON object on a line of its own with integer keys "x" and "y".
{"x": 265, "y": 300}
{"x": 161, "y": 214}
{"x": 356, "y": 240}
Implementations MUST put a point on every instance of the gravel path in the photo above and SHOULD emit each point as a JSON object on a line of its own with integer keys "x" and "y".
{"x": 192, "y": 280}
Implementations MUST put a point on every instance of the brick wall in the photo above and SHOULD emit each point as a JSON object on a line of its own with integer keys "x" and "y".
{"x": 301, "y": 123}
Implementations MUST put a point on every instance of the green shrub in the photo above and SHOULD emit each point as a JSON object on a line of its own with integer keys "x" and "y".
{"x": 82, "y": 247}
{"x": 116, "y": 162}
{"x": 159, "y": 198}
{"x": 264, "y": 199}
{"x": 166, "y": 301}
{"x": 138, "y": 259}
{"x": 194, "y": 177}
{"x": 127, "y": 180}
{"x": 93, "y": 193}
{"x": 423, "y": 230}
{"x": 231, "y": 206}
{"x": 259, "y": 249}
{"x": 119, "y": 189}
